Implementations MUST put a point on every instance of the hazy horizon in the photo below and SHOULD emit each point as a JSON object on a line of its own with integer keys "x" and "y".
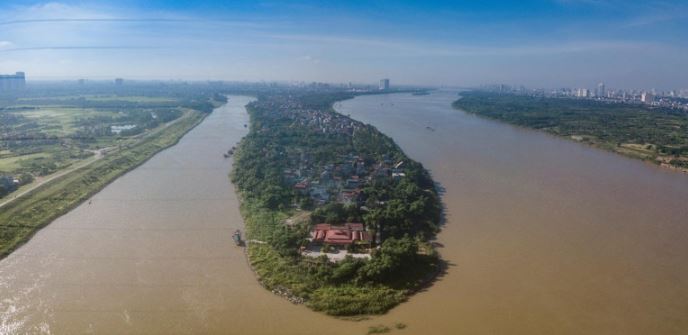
{"x": 572, "y": 43}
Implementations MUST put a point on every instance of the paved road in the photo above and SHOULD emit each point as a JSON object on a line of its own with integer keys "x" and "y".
{"x": 42, "y": 180}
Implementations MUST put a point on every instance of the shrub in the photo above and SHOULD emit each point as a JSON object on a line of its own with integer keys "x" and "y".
{"x": 353, "y": 300}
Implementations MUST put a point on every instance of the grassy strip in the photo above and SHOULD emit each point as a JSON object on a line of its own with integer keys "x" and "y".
{"x": 20, "y": 219}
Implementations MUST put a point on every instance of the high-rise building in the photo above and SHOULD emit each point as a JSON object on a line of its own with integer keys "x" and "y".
{"x": 12, "y": 82}
{"x": 647, "y": 97}
{"x": 601, "y": 90}
{"x": 384, "y": 84}
{"x": 582, "y": 93}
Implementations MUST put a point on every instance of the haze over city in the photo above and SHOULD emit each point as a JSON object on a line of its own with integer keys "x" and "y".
{"x": 636, "y": 44}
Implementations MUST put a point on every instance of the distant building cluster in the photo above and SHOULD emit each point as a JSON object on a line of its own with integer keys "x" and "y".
{"x": 677, "y": 99}
{"x": 12, "y": 82}
{"x": 582, "y": 93}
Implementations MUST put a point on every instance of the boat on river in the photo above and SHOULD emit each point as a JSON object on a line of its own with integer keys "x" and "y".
{"x": 237, "y": 237}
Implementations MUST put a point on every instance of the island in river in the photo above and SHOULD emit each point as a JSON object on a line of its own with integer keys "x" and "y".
{"x": 337, "y": 216}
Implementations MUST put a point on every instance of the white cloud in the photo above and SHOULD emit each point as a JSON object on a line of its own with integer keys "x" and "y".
{"x": 586, "y": 2}
{"x": 309, "y": 58}
{"x": 52, "y": 10}
{"x": 656, "y": 19}
{"x": 37, "y": 26}
{"x": 6, "y": 44}
{"x": 407, "y": 48}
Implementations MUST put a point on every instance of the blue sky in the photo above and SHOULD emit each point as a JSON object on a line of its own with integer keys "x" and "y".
{"x": 547, "y": 43}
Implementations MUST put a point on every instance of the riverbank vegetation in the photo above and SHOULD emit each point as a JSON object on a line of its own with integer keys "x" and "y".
{"x": 75, "y": 145}
{"x": 301, "y": 159}
{"x": 655, "y": 134}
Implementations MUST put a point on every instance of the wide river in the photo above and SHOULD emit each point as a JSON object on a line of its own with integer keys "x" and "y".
{"x": 543, "y": 236}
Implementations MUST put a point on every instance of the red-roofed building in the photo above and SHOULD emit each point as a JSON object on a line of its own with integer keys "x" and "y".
{"x": 345, "y": 234}
{"x": 302, "y": 187}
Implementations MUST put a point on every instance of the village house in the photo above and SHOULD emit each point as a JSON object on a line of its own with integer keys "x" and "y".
{"x": 341, "y": 180}
{"x": 398, "y": 175}
{"x": 302, "y": 186}
{"x": 352, "y": 182}
{"x": 352, "y": 197}
{"x": 319, "y": 193}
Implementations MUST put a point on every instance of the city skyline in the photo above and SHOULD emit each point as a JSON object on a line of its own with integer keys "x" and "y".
{"x": 562, "y": 43}
{"x": 600, "y": 90}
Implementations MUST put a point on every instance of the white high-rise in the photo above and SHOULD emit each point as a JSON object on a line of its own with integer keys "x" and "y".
{"x": 12, "y": 82}
{"x": 384, "y": 84}
{"x": 601, "y": 90}
{"x": 582, "y": 93}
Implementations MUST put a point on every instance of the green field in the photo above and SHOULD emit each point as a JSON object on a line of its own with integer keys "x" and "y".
{"x": 13, "y": 163}
{"x": 63, "y": 121}
{"x": 105, "y": 97}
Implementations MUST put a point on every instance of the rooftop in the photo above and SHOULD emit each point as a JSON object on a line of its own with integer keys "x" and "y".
{"x": 345, "y": 234}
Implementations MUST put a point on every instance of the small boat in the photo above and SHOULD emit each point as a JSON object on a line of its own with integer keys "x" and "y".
{"x": 245, "y": 125}
{"x": 430, "y": 128}
{"x": 237, "y": 237}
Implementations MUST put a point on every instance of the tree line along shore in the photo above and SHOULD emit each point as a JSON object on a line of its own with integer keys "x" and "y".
{"x": 654, "y": 134}
{"x": 344, "y": 218}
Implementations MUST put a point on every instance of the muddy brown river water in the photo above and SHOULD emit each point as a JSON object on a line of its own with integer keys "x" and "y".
{"x": 543, "y": 236}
